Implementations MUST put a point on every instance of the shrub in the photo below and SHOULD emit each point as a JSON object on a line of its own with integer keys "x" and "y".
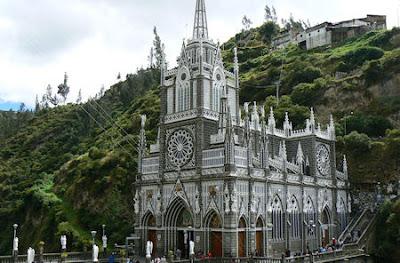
{"x": 373, "y": 72}
{"x": 372, "y": 125}
{"x": 299, "y": 72}
{"x": 357, "y": 143}
{"x": 308, "y": 94}
{"x": 359, "y": 56}
{"x": 267, "y": 31}
{"x": 387, "y": 232}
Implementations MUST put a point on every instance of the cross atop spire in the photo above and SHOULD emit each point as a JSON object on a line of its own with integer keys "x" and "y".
{"x": 200, "y": 28}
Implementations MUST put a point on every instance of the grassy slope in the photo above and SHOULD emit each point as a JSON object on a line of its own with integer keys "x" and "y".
{"x": 63, "y": 174}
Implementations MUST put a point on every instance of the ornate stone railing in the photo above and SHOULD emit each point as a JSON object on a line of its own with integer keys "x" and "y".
{"x": 180, "y": 116}
{"x": 150, "y": 165}
{"x": 209, "y": 114}
{"x": 171, "y": 72}
{"x": 213, "y": 158}
{"x": 276, "y": 163}
{"x": 293, "y": 167}
{"x": 308, "y": 179}
{"x": 340, "y": 175}
{"x": 293, "y": 178}
{"x": 229, "y": 74}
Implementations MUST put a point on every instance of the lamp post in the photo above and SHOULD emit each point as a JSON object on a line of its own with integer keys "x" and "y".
{"x": 93, "y": 236}
{"x": 311, "y": 231}
{"x": 345, "y": 123}
{"x": 15, "y": 244}
{"x": 104, "y": 239}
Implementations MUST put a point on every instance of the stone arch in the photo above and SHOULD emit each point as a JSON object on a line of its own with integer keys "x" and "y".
{"x": 149, "y": 226}
{"x": 277, "y": 218}
{"x": 293, "y": 209}
{"x": 218, "y": 88}
{"x": 214, "y": 239}
{"x": 326, "y": 223}
{"x": 183, "y": 90}
{"x": 179, "y": 223}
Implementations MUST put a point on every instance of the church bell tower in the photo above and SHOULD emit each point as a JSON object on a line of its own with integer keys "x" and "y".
{"x": 192, "y": 98}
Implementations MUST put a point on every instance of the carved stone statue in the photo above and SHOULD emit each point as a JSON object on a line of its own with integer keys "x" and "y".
{"x": 253, "y": 205}
{"x": 159, "y": 203}
{"x": 63, "y": 241}
{"x": 197, "y": 203}
{"x": 95, "y": 253}
{"x": 191, "y": 248}
{"x": 15, "y": 244}
{"x": 136, "y": 203}
{"x": 31, "y": 255}
{"x": 149, "y": 249}
{"x": 234, "y": 200}
{"x": 227, "y": 200}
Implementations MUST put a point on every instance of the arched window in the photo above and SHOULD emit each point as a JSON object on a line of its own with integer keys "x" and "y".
{"x": 217, "y": 89}
{"x": 310, "y": 218}
{"x": 277, "y": 219}
{"x": 294, "y": 218}
{"x": 182, "y": 92}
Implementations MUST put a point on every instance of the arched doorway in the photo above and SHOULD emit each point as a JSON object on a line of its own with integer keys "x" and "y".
{"x": 214, "y": 225}
{"x": 151, "y": 231}
{"x": 179, "y": 223}
{"x": 242, "y": 238}
{"x": 325, "y": 225}
{"x": 260, "y": 237}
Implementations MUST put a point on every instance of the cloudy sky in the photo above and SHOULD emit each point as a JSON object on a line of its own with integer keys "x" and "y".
{"x": 93, "y": 40}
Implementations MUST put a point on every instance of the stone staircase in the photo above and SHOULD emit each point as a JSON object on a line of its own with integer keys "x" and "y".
{"x": 359, "y": 232}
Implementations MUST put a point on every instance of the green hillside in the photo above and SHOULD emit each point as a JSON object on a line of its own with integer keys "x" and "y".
{"x": 64, "y": 172}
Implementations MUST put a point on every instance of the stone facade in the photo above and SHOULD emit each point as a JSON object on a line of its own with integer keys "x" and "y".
{"x": 233, "y": 182}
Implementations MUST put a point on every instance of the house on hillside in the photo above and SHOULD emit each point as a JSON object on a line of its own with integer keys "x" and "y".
{"x": 330, "y": 34}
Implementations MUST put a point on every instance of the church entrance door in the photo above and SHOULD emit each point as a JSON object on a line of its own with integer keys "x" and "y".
{"x": 214, "y": 225}
{"x": 259, "y": 238}
{"x": 326, "y": 222}
{"x": 242, "y": 238}
{"x": 152, "y": 232}
{"x": 180, "y": 224}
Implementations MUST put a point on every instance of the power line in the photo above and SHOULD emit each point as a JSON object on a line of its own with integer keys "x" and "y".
{"x": 105, "y": 130}
{"x": 112, "y": 123}
{"x": 111, "y": 119}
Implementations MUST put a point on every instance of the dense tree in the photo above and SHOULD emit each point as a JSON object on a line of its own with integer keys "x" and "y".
{"x": 246, "y": 22}
{"x": 158, "y": 48}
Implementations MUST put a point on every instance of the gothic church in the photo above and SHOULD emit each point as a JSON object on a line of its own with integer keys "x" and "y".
{"x": 232, "y": 181}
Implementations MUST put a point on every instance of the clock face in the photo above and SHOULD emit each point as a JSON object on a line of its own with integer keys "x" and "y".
{"x": 323, "y": 160}
{"x": 180, "y": 148}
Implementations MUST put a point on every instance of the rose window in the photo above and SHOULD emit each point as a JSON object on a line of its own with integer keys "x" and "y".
{"x": 180, "y": 148}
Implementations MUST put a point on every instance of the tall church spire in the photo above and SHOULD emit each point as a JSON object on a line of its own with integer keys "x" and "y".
{"x": 200, "y": 28}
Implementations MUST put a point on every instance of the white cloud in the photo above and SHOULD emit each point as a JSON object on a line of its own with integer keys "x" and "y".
{"x": 93, "y": 40}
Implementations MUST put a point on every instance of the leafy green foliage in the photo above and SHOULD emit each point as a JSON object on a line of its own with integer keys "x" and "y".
{"x": 357, "y": 57}
{"x": 388, "y": 232}
{"x": 309, "y": 94}
{"x": 372, "y": 125}
{"x": 268, "y": 31}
